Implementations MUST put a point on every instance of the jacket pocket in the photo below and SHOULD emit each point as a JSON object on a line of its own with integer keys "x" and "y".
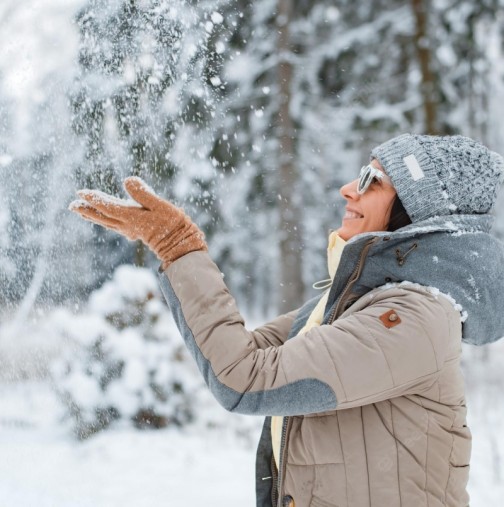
{"x": 318, "y": 502}
{"x": 315, "y": 441}
{"x": 461, "y": 450}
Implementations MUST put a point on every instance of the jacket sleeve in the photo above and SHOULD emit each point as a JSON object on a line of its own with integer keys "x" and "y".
{"x": 274, "y": 333}
{"x": 357, "y": 360}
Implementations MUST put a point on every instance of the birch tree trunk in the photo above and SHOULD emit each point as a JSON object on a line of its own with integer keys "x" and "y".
{"x": 291, "y": 281}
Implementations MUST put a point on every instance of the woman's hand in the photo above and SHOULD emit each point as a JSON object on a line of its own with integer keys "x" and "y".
{"x": 163, "y": 227}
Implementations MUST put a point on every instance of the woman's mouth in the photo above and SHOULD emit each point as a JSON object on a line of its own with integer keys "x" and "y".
{"x": 349, "y": 215}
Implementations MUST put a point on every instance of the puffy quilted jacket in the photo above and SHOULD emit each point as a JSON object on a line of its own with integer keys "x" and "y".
{"x": 374, "y": 397}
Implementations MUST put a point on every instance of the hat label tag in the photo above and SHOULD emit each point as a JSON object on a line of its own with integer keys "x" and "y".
{"x": 414, "y": 167}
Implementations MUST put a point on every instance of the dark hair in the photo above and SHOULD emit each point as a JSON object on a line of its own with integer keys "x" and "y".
{"x": 398, "y": 216}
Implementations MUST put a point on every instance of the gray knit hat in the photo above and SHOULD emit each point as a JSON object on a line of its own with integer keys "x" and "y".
{"x": 441, "y": 175}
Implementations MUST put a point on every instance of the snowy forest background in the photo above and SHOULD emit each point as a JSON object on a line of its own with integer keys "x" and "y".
{"x": 250, "y": 115}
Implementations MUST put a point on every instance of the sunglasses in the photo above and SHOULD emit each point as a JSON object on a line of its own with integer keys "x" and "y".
{"x": 367, "y": 175}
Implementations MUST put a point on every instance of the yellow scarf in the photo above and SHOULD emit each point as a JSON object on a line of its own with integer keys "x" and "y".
{"x": 334, "y": 251}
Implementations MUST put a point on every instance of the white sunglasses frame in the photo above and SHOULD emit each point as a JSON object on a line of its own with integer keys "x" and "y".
{"x": 370, "y": 172}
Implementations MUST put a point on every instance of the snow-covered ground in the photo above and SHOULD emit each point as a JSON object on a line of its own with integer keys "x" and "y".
{"x": 42, "y": 465}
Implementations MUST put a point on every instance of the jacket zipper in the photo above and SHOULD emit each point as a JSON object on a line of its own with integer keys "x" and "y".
{"x": 353, "y": 278}
{"x": 282, "y": 465}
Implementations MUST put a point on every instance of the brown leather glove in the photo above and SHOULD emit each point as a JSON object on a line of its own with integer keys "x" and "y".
{"x": 163, "y": 227}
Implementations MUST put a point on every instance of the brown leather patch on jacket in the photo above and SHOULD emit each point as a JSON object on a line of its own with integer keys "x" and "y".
{"x": 390, "y": 319}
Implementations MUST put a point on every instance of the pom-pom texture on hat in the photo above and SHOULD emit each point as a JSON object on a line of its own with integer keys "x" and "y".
{"x": 441, "y": 175}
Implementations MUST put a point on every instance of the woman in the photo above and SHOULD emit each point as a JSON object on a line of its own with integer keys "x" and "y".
{"x": 363, "y": 383}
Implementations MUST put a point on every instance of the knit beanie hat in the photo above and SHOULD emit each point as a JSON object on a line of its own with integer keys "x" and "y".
{"x": 441, "y": 175}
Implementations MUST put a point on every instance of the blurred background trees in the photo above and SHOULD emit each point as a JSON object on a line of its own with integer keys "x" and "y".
{"x": 249, "y": 114}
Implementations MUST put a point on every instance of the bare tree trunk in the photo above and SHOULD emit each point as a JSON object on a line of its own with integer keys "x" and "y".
{"x": 291, "y": 280}
{"x": 423, "y": 49}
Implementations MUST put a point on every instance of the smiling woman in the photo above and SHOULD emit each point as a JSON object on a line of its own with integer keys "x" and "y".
{"x": 370, "y": 210}
{"x": 363, "y": 384}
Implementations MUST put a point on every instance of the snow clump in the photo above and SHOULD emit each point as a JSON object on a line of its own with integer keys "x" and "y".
{"x": 125, "y": 360}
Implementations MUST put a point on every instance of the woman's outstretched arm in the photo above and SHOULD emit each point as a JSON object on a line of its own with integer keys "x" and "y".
{"x": 355, "y": 361}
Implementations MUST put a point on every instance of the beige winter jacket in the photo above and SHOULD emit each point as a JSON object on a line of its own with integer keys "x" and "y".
{"x": 375, "y": 399}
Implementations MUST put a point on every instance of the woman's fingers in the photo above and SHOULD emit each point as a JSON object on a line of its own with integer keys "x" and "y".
{"x": 108, "y": 204}
{"x": 142, "y": 193}
{"x": 88, "y": 212}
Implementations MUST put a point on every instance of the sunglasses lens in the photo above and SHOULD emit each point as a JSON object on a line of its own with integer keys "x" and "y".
{"x": 364, "y": 180}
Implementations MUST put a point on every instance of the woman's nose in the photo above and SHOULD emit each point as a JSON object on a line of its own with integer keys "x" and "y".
{"x": 349, "y": 191}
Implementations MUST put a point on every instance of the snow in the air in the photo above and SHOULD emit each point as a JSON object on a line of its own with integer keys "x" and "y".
{"x": 101, "y": 403}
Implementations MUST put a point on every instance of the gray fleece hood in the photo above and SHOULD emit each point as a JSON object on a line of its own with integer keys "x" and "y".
{"x": 455, "y": 255}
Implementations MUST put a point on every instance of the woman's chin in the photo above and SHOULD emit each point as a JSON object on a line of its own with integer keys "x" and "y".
{"x": 345, "y": 233}
{"x": 350, "y": 227}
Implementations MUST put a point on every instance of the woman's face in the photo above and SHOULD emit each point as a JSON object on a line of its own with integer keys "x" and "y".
{"x": 368, "y": 212}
